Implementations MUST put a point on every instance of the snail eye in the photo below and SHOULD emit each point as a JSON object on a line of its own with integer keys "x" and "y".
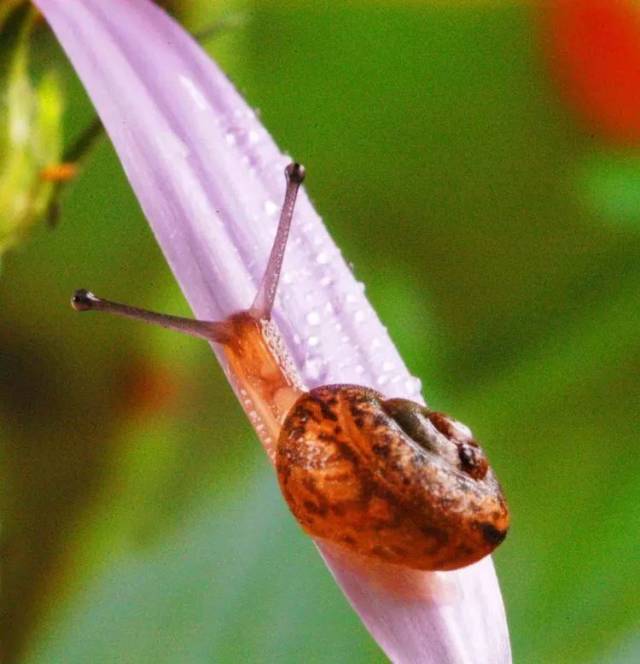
{"x": 470, "y": 455}
{"x": 472, "y": 460}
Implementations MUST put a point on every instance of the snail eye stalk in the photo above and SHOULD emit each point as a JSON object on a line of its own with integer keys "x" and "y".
{"x": 218, "y": 331}
{"x": 263, "y": 304}
{"x": 84, "y": 300}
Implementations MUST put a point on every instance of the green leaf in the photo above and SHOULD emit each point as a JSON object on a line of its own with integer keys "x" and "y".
{"x": 30, "y": 140}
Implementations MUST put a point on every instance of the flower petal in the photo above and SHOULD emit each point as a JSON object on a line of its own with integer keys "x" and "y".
{"x": 210, "y": 179}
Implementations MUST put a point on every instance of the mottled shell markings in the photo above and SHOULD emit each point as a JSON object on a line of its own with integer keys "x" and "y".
{"x": 352, "y": 474}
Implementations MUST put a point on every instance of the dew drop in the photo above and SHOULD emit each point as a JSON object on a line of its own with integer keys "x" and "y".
{"x": 243, "y": 114}
{"x": 322, "y": 258}
{"x": 313, "y": 341}
{"x": 359, "y": 316}
{"x": 313, "y": 317}
{"x": 270, "y": 207}
{"x": 413, "y": 385}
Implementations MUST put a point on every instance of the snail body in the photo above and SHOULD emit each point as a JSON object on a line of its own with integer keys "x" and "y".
{"x": 387, "y": 479}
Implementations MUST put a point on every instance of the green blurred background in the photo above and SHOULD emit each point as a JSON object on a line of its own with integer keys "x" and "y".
{"x": 495, "y": 219}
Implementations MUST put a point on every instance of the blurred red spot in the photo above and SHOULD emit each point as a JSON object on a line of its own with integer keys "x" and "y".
{"x": 146, "y": 388}
{"x": 595, "y": 54}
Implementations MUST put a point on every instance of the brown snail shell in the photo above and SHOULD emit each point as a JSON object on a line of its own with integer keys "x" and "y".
{"x": 389, "y": 479}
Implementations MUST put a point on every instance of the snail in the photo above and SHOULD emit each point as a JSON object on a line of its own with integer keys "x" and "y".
{"x": 383, "y": 478}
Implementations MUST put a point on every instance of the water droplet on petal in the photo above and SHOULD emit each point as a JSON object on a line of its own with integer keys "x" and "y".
{"x": 313, "y": 317}
{"x": 413, "y": 386}
{"x": 270, "y": 207}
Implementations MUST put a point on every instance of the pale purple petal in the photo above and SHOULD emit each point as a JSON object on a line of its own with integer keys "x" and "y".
{"x": 210, "y": 180}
